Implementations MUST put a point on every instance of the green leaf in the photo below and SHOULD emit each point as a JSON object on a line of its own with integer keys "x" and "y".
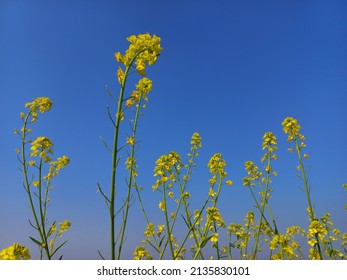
{"x": 58, "y": 248}
{"x": 36, "y": 241}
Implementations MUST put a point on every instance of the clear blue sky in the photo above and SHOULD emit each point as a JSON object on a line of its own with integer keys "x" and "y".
{"x": 230, "y": 70}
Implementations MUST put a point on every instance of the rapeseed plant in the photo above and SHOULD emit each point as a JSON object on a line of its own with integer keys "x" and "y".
{"x": 258, "y": 178}
{"x": 318, "y": 233}
{"x": 143, "y": 50}
{"x": 38, "y": 185}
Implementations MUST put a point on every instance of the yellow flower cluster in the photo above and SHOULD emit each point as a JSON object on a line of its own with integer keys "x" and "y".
{"x": 42, "y": 146}
{"x": 196, "y": 141}
{"x": 316, "y": 229}
{"x": 253, "y": 172}
{"x": 143, "y": 87}
{"x": 142, "y": 253}
{"x": 166, "y": 168}
{"x": 143, "y": 49}
{"x": 242, "y": 234}
{"x": 162, "y": 206}
{"x": 292, "y": 128}
{"x": 55, "y": 166}
{"x": 216, "y": 165}
{"x": 214, "y": 216}
{"x": 288, "y": 246}
{"x": 131, "y": 164}
{"x": 63, "y": 226}
{"x": 42, "y": 104}
{"x": 270, "y": 145}
{"x": 149, "y": 230}
{"x": 314, "y": 254}
{"x": 15, "y": 252}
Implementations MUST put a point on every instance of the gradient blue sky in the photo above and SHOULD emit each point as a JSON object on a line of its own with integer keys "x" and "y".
{"x": 230, "y": 70}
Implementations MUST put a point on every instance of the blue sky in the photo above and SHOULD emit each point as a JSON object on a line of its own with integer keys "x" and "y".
{"x": 230, "y": 70}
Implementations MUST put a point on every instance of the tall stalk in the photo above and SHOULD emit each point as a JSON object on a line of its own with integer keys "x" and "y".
{"x": 144, "y": 49}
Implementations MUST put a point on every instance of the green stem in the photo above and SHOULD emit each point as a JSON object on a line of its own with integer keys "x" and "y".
{"x": 114, "y": 166}
{"x": 42, "y": 215}
{"x": 115, "y": 160}
{"x": 27, "y": 184}
{"x": 131, "y": 175}
{"x": 169, "y": 231}
{"x": 307, "y": 191}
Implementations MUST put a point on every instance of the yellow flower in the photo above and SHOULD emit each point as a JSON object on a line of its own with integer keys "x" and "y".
{"x": 15, "y": 252}
{"x": 63, "y": 226}
{"x": 211, "y": 192}
{"x": 312, "y": 242}
{"x": 213, "y": 180}
{"x": 118, "y": 57}
{"x": 131, "y": 140}
{"x": 185, "y": 195}
{"x": 52, "y": 229}
{"x": 36, "y": 183}
{"x": 160, "y": 228}
{"x": 120, "y": 75}
{"x": 229, "y": 182}
{"x": 121, "y": 116}
{"x": 130, "y": 102}
{"x": 162, "y": 206}
{"x": 214, "y": 237}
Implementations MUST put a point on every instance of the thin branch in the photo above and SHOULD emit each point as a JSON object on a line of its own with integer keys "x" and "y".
{"x": 105, "y": 144}
{"x": 110, "y": 116}
{"x": 107, "y": 201}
